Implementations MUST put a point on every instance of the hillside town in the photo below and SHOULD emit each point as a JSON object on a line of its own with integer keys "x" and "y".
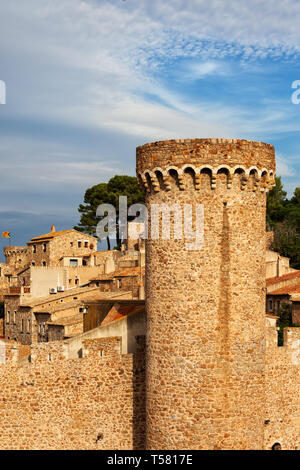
{"x": 59, "y": 286}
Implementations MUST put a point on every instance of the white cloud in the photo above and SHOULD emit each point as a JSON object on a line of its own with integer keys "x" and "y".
{"x": 92, "y": 63}
{"x": 283, "y": 168}
{"x": 96, "y": 65}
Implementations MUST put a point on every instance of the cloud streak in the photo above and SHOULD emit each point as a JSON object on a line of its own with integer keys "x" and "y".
{"x": 88, "y": 81}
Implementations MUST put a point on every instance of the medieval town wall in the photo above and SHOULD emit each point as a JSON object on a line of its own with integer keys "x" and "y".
{"x": 93, "y": 402}
{"x": 17, "y": 256}
{"x": 96, "y": 400}
{"x": 282, "y": 398}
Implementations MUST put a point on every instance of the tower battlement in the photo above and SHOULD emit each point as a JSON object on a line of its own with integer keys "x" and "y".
{"x": 162, "y": 164}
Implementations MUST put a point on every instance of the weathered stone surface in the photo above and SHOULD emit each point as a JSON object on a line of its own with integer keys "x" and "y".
{"x": 206, "y": 308}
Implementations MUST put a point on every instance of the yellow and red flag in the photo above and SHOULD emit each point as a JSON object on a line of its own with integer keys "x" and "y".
{"x": 6, "y": 234}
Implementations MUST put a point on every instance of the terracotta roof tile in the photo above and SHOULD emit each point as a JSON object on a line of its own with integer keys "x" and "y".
{"x": 272, "y": 316}
{"x": 49, "y": 236}
{"x": 129, "y": 272}
{"x": 286, "y": 277}
{"x": 122, "y": 310}
{"x": 286, "y": 290}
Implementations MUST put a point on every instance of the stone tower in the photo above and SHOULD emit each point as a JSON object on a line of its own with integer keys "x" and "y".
{"x": 206, "y": 306}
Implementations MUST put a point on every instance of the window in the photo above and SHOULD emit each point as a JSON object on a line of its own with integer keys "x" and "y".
{"x": 28, "y": 325}
{"x": 76, "y": 282}
{"x": 44, "y": 263}
{"x": 276, "y": 446}
{"x": 271, "y": 305}
{"x": 34, "y": 248}
{"x": 33, "y": 263}
{"x": 79, "y": 244}
{"x": 22, "y": 325}
{"x": 71, "y": 244}
{"x": 8, "y": 316}
{"x": 44, "y": 247}
{"x": 86, "y": 244}
{"x": 73, "y": 262}
{"x": 15, "y": 317}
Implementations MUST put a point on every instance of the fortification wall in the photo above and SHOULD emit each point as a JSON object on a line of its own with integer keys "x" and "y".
{"x": 282, "y": 398}
{"x": 98, "y": 401}
{"x": 95, "y": 402}
{"x": 17, "y": 256}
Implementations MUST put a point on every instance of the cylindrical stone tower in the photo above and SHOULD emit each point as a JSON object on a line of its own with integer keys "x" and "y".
{"x": 206, "y": 303}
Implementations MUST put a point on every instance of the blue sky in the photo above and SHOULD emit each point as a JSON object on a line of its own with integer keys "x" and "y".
{"x": 88, "y": 81}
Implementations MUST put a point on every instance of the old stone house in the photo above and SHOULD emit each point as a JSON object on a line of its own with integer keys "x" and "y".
{"x": 130, "y": 279}
{"x": 25, "y": 317}
{"x": 47, "y": 249}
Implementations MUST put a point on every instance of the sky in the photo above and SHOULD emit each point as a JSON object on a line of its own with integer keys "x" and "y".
{"x": 87, "y": 81}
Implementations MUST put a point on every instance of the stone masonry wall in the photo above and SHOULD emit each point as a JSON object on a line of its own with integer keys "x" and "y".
{"x": 98, "y": 401}
{"x": 94, "y": 402}
{"x": 67, "y": 245}
{"x": 17, "y": 256}
{"x": 50, "y": 251}
{"x": 206, "y": 306}
{"x": 282, "y": 398}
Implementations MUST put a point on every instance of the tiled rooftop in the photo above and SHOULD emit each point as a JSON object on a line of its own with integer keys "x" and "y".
{"x": 122, "y": 310}
{"x": 286, "y": 290}
{"x": 49, "y": 236}
{"x": 286, "y": 277}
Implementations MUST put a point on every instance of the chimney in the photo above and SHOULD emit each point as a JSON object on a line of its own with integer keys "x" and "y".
{"x": 53, "y": 228}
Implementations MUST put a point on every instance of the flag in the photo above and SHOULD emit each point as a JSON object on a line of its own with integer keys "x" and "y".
{"x": 6, "y": 234}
